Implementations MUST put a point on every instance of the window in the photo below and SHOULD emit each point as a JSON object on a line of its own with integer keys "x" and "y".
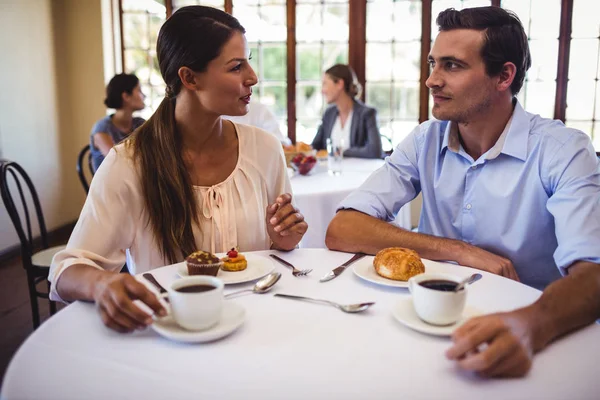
{"x": 541, "y": 20}
{"x": 583, "y": 95}
{"x": 393, "y": 53}
{"x": 321, "y": 42}
{"x": 266, "y": 32}
{"x": 391, "y": 72}
{"x": 141, "y": 21}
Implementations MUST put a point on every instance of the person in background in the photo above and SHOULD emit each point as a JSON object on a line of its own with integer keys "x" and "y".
{"x": 347, "y": 118}
{"x": 504, "y": 191}
{"x": 261, "y": 117}
{"x": 123, "y": 93}
{"x": 186, "y": 180}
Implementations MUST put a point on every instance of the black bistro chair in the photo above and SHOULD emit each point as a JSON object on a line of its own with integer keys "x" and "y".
{"x": 84, "y": 159}
{"x": 14, "y": 180}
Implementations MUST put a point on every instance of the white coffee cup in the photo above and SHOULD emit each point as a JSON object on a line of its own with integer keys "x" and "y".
{"x": 437, "y": 307}
{"x": 196, "y": 311}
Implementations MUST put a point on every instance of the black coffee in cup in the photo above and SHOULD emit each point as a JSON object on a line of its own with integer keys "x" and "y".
{"x": 442, "y": 285}
{"x": 195, "y": 288}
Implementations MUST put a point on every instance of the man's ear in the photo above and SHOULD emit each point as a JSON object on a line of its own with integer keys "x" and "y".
{"x": 188, "y": 78}
{"x": 507, "y": 76}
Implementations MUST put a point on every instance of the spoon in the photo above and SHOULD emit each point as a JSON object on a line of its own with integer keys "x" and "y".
{"x": 348, "y": 308}
{"x": 262, "y": 286}
{"x": 470, "y": 279}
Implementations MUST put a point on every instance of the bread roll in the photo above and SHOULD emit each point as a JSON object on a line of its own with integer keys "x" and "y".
{"x": 398, "y": 263}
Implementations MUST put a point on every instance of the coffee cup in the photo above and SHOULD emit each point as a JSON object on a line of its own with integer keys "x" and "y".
{"x": 196, "y": 303}
{"x": 434, "y": 298}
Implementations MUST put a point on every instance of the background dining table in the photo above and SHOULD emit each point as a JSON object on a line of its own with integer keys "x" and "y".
{"x": 318, "y": 194}
{"x": 289, "y": 349}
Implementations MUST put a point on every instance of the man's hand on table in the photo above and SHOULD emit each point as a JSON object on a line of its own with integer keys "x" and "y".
{"x": 475, "y": 257}
{"x": 285, "y": 223}
{"x": 114, "y": 295}
{"x": 495, "y": 345}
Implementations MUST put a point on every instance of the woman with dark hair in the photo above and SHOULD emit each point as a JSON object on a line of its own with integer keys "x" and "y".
{"x": 186, "y": 180}
{"x": 347, "y": 119}
{"x": 123, "y": 93}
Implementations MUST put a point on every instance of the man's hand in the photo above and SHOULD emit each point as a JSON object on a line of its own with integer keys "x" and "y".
{"x": 475, "y": 257}
{"x": 114, "y": 295}
{"x": 496, "y": 345}
{"x": 285, "y": 224}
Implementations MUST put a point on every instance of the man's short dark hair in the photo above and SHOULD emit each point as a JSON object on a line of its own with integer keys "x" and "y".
{"x": 504, "y": 38}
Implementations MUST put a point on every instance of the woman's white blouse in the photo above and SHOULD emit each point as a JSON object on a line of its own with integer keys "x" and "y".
{"x": 232, "y": 213}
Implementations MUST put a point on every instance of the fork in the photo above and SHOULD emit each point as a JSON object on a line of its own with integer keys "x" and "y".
{"x": 295, "y": 271}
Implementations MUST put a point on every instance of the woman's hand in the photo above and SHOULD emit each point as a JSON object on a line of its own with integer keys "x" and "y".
{"x": 114, "y": 295}
{"x": 285, "y": 224}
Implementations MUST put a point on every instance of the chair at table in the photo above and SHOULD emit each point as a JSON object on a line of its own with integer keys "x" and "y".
{"x": 83, "y": 159}
{"x": 13, "y": 180}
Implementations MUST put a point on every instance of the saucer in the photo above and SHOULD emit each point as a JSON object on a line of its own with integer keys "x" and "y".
{"x": 258, "y": 266}
{"x": 232, "y": 318}
{"x": 405, "y": 313}
{"x": 364, "y": 269}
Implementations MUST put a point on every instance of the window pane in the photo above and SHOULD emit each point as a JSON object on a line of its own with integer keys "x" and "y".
{"x": 586, "y": 19}
{"x": 136, "y": 62}
{"x": 274, "y": 62}
{"x": 539, "y": 98}
{"x": 220, "y": 4}
{"x": 155, "y": 77}
{"x": 405, "y": 99}
{"x": 306, "y": 129}
{"x": 583, "y": 59}
{"x": 309, "y": 102}
{"x": 379, "y": 20}
{"x": 580, "y": 100}
{"x": 545, "y": 19}
{"x": 309, "y": 62}
{"x": 407, "y": 20}
{"x": 334, "y": 53}
{"x": 275, "y": 96}
{"x": 335, "y": 23}
{"x": 379, "y": 96}
{"x": 597, "y": 101}
{"x": 379, "y": 62}
{"x": 153, "y": 6}
{"x": 584, "y": 126}
{"x": 407, "y": 61}
{"x": 135, "y": 30}
{"x": 400, "y": 130}
{"x": 520, "y": 7}
{"x": 596, "y": 136}
{"x": 544, "y": 56}
{"x": 309, "y": 23}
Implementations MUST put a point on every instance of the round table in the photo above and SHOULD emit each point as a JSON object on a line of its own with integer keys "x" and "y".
{"x": 318, "y": 195}
{"x": 289, "y": 349}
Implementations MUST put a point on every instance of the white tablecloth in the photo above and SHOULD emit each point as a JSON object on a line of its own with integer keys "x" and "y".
{"x": 289, "y": 349}
{"x": 319, "y": 194}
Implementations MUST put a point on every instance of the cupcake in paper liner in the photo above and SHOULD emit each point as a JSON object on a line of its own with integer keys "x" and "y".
{"x": 203, "y": 263}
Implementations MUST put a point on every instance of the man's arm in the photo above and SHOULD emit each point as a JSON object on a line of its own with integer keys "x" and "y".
{"x": 353, "y": 231}
{"x": 512, "y": 338}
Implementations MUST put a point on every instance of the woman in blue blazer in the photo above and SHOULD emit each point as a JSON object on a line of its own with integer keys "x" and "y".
{"x": 347, "y": 117}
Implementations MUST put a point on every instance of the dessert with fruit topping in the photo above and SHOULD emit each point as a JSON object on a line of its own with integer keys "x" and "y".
{"x": 234, "y": 261}
{"x": 203, "y": 263}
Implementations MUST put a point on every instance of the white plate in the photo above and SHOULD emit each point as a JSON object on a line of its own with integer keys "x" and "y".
{"x": 364, "y": 269}
{"x": 231, "y": 319}
{"x": 405, "y": 313}
{"x": 258, "y": 266}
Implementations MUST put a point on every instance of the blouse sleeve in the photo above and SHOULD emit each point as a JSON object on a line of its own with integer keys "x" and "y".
{"x": 107, "y": 223}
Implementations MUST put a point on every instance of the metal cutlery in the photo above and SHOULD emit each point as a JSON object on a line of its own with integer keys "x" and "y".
{"x": 295, "y": 271}
{"x": 150, "y": 278}
{"x": 347, "y": 308}
{"x": 338, "y": 271}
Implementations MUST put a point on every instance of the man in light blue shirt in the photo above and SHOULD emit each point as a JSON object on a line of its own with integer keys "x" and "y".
{"x": 503, "y": 190}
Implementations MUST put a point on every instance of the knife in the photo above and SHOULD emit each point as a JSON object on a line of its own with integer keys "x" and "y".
{"x": 338, "y": 271}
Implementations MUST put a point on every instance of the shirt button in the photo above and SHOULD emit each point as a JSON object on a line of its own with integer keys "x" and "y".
{"x": 474, "y": 167}
{"x": 468, "y": 207}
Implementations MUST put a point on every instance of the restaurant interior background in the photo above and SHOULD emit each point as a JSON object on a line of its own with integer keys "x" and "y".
{"x": 57, "y": 56}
